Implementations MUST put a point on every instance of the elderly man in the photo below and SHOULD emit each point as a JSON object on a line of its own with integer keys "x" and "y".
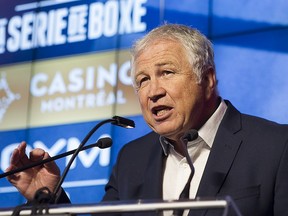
{"x": 235, "y": 154}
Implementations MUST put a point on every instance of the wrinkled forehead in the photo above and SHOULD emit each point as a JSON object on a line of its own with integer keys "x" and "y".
{"x": 144, "y": 44}
{"x": 148, "y": 45}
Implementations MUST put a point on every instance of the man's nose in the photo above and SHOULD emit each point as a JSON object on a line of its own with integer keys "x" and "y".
{"x": 156, "y": 90}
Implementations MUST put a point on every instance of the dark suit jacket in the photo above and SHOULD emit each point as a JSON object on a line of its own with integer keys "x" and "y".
{"x": 248, "y": 161}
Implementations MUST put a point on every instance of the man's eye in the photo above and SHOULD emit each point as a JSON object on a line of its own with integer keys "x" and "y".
{"x": 141, "y": 81}
{"x": 167, "y": 72}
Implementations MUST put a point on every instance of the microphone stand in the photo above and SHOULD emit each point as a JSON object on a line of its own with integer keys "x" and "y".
{"x": 43, "y": 196}
{"x": 116, "y": 120}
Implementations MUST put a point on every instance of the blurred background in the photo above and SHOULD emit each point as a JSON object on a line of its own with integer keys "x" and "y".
{"x": 64, "y": 67}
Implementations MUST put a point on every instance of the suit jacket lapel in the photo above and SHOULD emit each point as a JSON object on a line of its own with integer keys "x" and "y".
{"x": 152, "y": 183}
{"x": 222, "y": 155}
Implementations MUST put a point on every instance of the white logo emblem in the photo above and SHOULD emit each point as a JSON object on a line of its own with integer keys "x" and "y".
{"x": 6, "y": 96}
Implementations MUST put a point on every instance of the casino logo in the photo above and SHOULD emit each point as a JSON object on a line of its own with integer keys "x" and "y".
{"x": 7, "y": 97}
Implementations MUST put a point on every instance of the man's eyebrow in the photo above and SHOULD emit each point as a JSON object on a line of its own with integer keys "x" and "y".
{"x": 164, "y": 63}
{"x": 139, "y": 73}
{"x": 159, "y": 64}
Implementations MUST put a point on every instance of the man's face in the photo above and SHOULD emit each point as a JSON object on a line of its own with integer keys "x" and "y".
{"x": 171, "y": 100}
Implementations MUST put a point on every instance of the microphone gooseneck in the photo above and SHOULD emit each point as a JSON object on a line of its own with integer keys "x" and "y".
{"x": 104, "y": 142}
{"x": 116, "y": 120}
{"x": 188, "y": 137}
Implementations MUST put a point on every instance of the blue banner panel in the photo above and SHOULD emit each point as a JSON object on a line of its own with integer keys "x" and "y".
{"x": 251, "y": 73}
{"x": 241, "y": 17}
{"x": 35, "y": 30}
{"x": 193, "y": 13}
{"x": 273, "y": 40}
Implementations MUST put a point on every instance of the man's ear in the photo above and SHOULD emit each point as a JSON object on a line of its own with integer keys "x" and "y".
{"x": 210, "y": 82}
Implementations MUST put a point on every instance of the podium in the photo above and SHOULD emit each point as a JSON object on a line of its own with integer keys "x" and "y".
{"x": 221, "y": 207}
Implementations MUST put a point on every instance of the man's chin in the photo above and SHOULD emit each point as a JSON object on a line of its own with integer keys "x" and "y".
{"x": 169, "y": 134}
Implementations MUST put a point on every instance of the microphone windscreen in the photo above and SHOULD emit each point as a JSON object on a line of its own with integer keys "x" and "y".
{"x": 191, "y": 135}
{"x": 104, "y": 142}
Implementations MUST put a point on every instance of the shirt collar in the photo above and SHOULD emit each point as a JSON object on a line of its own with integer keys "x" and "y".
{"x": 207, "y": 132}
{"x": 209, "y": 129}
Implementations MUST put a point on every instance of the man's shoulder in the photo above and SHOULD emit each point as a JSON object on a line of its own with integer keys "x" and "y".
{"x": 139, "y": 150}
{"x": 254, "y": 128}
{"x": 252, "y": 121}
{"x": 265, "y": 128}
{"x": 145, "y": 141}
{"x": 262, "y": 121}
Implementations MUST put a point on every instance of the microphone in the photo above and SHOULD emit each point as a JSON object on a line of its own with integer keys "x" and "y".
{"x": 44, "y": 196}
{"x": 102, "y": 143}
